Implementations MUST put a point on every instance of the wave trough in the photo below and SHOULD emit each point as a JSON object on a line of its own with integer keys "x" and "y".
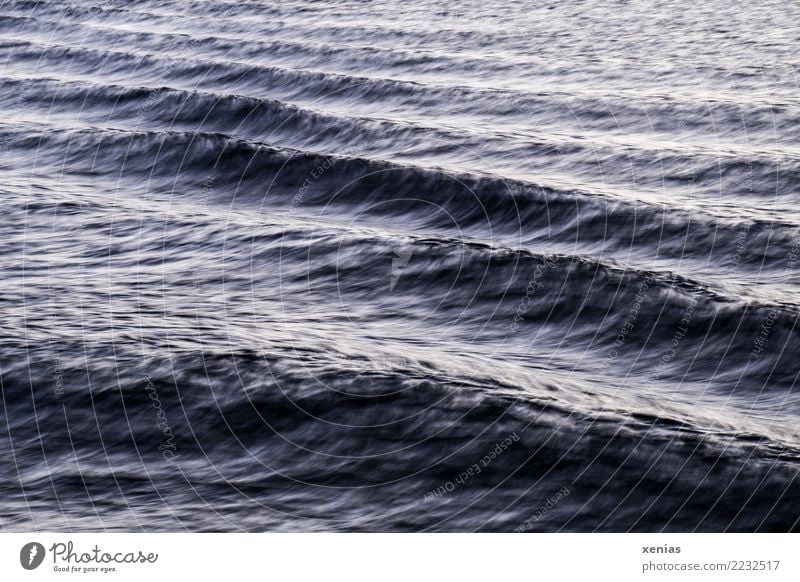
{"x": 344, "y": 266}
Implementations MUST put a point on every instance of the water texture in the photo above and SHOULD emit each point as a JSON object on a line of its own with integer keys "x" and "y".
{"x": 399, "y": 266}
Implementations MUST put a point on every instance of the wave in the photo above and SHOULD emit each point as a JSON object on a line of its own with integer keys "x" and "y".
{"x": 300, "y": 266}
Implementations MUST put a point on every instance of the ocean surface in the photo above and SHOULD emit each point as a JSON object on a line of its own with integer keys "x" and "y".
{"x": 399, "y": 266}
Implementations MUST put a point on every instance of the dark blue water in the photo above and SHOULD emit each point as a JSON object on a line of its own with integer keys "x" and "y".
{"x": 399, "y": 266}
